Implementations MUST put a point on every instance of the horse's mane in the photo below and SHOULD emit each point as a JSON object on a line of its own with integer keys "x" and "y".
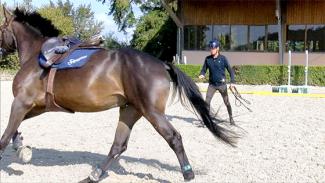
{"x": 35, "y": 20}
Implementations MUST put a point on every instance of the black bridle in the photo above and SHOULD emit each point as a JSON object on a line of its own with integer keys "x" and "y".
{"x": 5, "y": 29}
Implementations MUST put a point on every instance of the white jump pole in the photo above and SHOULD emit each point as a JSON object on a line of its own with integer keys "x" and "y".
{"x": 289, "y": 68}
{"x": 306, "y": 69}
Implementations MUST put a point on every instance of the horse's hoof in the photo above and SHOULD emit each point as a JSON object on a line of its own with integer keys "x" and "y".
{"x": 95, "y": 174}
{"x": 24, "y": 153}
{"x": 188, "y": 175}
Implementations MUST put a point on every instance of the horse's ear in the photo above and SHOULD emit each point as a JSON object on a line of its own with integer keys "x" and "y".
{"x": 7, "y": 14}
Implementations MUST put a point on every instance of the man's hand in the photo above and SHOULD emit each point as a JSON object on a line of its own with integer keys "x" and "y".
{"x": 201, "y": 76}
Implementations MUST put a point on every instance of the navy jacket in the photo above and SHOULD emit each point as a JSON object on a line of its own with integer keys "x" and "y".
{"x": 217, "y": 68}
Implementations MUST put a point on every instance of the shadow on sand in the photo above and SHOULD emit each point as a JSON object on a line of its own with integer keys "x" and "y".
{"x": 52, "y": 157}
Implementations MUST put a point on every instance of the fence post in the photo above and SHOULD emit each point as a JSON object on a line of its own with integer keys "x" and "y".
{"x": 306, "y": 69}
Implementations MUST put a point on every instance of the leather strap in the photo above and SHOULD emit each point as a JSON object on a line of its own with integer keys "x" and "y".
{"x": 51, "y": 105}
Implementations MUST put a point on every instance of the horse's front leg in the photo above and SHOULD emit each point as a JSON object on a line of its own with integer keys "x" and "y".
{"x": 17, "y": 139}
{"x": 19, "y": 108}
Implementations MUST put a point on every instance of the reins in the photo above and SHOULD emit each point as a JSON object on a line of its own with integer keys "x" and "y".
{"x": 240, "y": 101}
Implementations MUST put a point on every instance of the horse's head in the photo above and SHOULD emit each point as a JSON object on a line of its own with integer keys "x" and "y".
{"x": 7, "y": 37}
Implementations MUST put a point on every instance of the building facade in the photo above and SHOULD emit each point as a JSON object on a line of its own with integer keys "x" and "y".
{"x": 252, "y": 31}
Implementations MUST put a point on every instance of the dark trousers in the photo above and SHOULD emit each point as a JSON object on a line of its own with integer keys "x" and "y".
{"x": 224, "y": 93}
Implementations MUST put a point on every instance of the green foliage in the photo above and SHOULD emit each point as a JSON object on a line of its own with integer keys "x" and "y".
{"x": 265, "y": 74}
{"x": 67, "y": 6}
{"x": 147, "y": 28}
{"x": 122, "y": 13}
{"x": 193, "y": 71}
{"x": 156, "y": 34}
{"x": 316, "y": 76}
{"x": 84, "y": 22}
{"x": 59, "y": 20}
{"x": 78, "y": 22}
{"x": 1, "y": 15}
{"x": 9, "y": 62}
{"x": 111, "y": 42}
{"x": 261, "y": 74}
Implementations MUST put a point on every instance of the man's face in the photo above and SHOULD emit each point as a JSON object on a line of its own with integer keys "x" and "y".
{"x": 214, "y": 51}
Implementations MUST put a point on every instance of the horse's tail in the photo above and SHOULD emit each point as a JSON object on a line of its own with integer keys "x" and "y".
{"x": 184, "y": 86}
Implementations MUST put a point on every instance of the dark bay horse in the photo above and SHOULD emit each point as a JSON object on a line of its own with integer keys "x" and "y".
{"x": 136, "y": 82}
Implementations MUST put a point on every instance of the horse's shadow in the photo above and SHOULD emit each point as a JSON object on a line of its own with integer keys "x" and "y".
{"x": 52, "y": 157}
{"x": 195, "y": 121}
{"x": 188, "y": 120}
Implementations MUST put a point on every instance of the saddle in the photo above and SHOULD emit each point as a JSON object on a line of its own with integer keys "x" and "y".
{"x": 55, "y": 50}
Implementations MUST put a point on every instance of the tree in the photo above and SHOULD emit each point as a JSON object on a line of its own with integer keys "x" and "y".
{"x": 155, "y": 32}
{"x": 111, "y": 42}
{"x": 84, "y": 23}
{"x": 27, "y": 5}
{"x": 67, "y": 7}
{"x": 59, "y": 20}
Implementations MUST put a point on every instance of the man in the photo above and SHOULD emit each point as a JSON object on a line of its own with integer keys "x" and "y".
{"x": 217, "y": 63}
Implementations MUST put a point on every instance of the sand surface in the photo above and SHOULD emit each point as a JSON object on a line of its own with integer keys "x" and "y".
{"x": 283, "y": 141}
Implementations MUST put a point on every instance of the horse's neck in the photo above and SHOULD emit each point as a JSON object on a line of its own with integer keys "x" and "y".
{"x": 28, "y": 42}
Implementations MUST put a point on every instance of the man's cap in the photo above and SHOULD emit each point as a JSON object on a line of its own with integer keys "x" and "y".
{"x": 214, "y": 43}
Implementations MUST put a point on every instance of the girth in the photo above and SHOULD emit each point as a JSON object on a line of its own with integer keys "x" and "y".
{"x": 51, "y": 105}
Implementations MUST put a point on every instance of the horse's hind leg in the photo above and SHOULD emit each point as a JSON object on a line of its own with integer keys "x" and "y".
{"x": 173, "y": 138}
{"x": 128, "y": 116}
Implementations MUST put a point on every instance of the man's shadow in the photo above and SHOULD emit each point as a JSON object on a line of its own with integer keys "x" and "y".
{"x": 52, "y": 157}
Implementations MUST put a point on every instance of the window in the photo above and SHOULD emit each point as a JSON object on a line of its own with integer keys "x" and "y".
{"x": 272, "y": 38}
{"x": 239, "y": 36}
{"x": 190, "y": 37}
{"x": 222, "y": 33}
{"x": 204, "y": 36}
{"x": 197, "y": 37}
{"x": 296, "y": 38}
{"x": 256, "y": 38}
{"x": 316, "y": 38}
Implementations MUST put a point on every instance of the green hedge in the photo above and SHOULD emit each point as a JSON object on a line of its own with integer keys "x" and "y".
{"x": 265, "y": 74}
{"x": 9, "y": 62}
